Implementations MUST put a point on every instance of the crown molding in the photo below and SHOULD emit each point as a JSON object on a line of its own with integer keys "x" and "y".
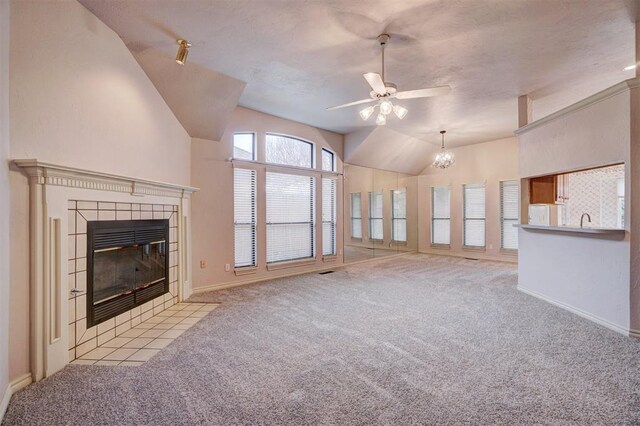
{"x": 43, "y": 173}
{"x": 586, "y": 102}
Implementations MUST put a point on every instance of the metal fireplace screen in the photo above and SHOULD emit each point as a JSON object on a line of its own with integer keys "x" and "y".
{"x": 128, "y": 264}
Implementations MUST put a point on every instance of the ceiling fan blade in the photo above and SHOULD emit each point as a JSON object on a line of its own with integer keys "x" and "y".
{"x": 363, "y": 101}
{"x": 375, "y": 81}
{"x": 424, "y": 93}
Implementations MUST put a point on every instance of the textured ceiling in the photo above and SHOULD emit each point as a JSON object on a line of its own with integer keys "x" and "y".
{"x": 299, "y": 57}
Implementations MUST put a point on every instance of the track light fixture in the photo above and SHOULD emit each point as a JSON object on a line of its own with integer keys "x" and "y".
{"x": 183, "y": 51}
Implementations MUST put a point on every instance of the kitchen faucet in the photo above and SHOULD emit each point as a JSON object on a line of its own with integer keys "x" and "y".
{"x": 582, "y": 218}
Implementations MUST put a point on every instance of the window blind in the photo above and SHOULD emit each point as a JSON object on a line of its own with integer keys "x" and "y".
{"x": 290, "y": 217}
{"x": 376, "y": 225}
{"x": 399, "y": 215}
{"x": 441, "y": 215}
{"x": 356, "y": 215}
{"x": 474, "y": 215}
{"x": 509, "y": 197}
{"x": 329, "y": 214}
{"x": 244, "y": 217}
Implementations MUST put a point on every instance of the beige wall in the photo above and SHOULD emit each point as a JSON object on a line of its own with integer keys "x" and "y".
{"x": 588, "y": 275}
{"x": 358, "y": 179}
{"x": 78, "y": 98}
{"x": 4, "y": 201}
{"x": 488, "y": 163}
{"x": 212, "y": 206}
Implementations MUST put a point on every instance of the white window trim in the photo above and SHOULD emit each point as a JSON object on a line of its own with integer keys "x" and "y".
{"x": 503, "y": 250}
{"x": 284, "y": 135}
{"x": 464, "y": 218}
{"x": 255, "y": 146}
{"x": 439, "y": 245}
{"x": 393, "y": 218}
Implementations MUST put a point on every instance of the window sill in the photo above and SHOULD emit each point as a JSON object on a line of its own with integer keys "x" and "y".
{"x": 291, "y": 264}
{"x": 441, "y": 246}
{"x": 357, "y": 240}
{"x": 509, "y": 252}
{"x": 473, "y": 248}
{"x": 246, "y": 270}
{"x": 329, "y": 258}
{"x": 374, "y": 241}
{"x": 398, "y": 243}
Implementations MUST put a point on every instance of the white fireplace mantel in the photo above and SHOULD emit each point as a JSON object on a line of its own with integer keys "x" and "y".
{"x": 55, "y": 174}
{"x": 51, "y": 187}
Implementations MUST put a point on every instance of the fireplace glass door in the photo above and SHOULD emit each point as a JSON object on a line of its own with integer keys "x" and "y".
{"x": 127, "y": 265}
{"x": 121, "y": 270}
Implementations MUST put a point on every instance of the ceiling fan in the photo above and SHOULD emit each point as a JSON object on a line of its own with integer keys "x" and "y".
{"x": 383, "y": 91}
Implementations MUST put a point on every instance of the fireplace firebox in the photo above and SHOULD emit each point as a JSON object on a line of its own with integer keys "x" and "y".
{"x": 127, "y": 265}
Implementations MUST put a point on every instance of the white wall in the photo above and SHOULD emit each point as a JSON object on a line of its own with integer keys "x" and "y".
{"x": 212, "y": 206}
{"x": 488, "y": 163}
{"x": 587, "y": 274}
{"x": 4, "y": 202}
{"x": 78, "y": 98}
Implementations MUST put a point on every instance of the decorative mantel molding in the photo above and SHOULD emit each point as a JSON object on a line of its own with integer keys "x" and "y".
{"x": 53, "y": 174}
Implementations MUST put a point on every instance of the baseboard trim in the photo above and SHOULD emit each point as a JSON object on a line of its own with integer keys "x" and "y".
{"x": 13, "y": 387}
{"x": 594, "y": 318}
{"x": 21, "y": 382}
{"x": 504, "y": 257}
{"x": 5, "y": 401}
{"x": 222, "y": 286}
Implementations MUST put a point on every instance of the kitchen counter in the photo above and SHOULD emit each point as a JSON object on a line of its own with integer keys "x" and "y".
{"x": 574, "y": 229}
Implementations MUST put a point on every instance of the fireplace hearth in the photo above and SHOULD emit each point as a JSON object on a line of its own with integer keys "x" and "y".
{"x": 127, "y": 265}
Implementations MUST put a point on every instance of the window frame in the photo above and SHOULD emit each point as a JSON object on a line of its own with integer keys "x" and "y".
{"x": 503, "y": 219}
{"x": 352, "y": 217}
{"x": 254, "y": 224}
{"x": 299, "y": 139}
{"x": 333, "y": 160}
{"x": 254, "y": 147}
{"x": 333, "y": 222}
{"x": 394, "y": 240}
{"x": 434, "y": 219}
{"x": 313, "y": 223}
{"x": 370, "y": 218}
{"x": 465, "y": 218}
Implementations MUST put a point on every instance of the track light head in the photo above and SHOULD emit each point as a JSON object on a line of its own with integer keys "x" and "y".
{"x": 183, "y": 51}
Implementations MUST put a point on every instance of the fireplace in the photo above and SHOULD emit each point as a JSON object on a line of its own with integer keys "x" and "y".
{"x": 127, "y": 265}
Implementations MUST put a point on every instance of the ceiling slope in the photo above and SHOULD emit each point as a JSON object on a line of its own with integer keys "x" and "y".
{"x": 201, "y": 99}
{"x": 386, "y": 149}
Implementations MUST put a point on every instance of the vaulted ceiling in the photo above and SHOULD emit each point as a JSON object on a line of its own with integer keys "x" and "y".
{"x": 297, "y": 58}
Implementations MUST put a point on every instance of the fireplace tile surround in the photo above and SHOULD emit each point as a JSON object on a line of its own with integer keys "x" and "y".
{"x": 62, "y": 200}
{"x": 83, "y": 339}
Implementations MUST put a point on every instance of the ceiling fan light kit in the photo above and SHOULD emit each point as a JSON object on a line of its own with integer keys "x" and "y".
{"x": 383, "y": 91}
{"x": 444, "y": 159}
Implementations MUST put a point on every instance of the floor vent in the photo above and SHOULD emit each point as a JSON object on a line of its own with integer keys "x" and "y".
{"x": 325, "y": 272}
{"x": 471, "y": 258}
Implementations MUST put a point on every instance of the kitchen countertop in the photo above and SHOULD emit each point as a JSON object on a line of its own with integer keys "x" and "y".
{"x": 577, "y": 229}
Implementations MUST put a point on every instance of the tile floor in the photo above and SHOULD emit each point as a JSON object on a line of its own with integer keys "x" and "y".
{"x": 139, "y": 344}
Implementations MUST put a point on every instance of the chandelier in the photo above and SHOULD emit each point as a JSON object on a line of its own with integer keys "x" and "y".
{"x": 386, "y": 108}
{"x": 444, "y": 159}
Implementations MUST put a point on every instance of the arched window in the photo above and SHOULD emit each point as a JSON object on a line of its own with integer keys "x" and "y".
{"x": 288, "y": 151}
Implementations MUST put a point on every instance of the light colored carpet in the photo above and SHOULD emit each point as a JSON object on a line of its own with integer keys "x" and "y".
{"x": 415, "y": 339}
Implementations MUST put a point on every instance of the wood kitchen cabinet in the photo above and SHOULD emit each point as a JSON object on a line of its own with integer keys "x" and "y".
{"x": 553, "y": 189}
